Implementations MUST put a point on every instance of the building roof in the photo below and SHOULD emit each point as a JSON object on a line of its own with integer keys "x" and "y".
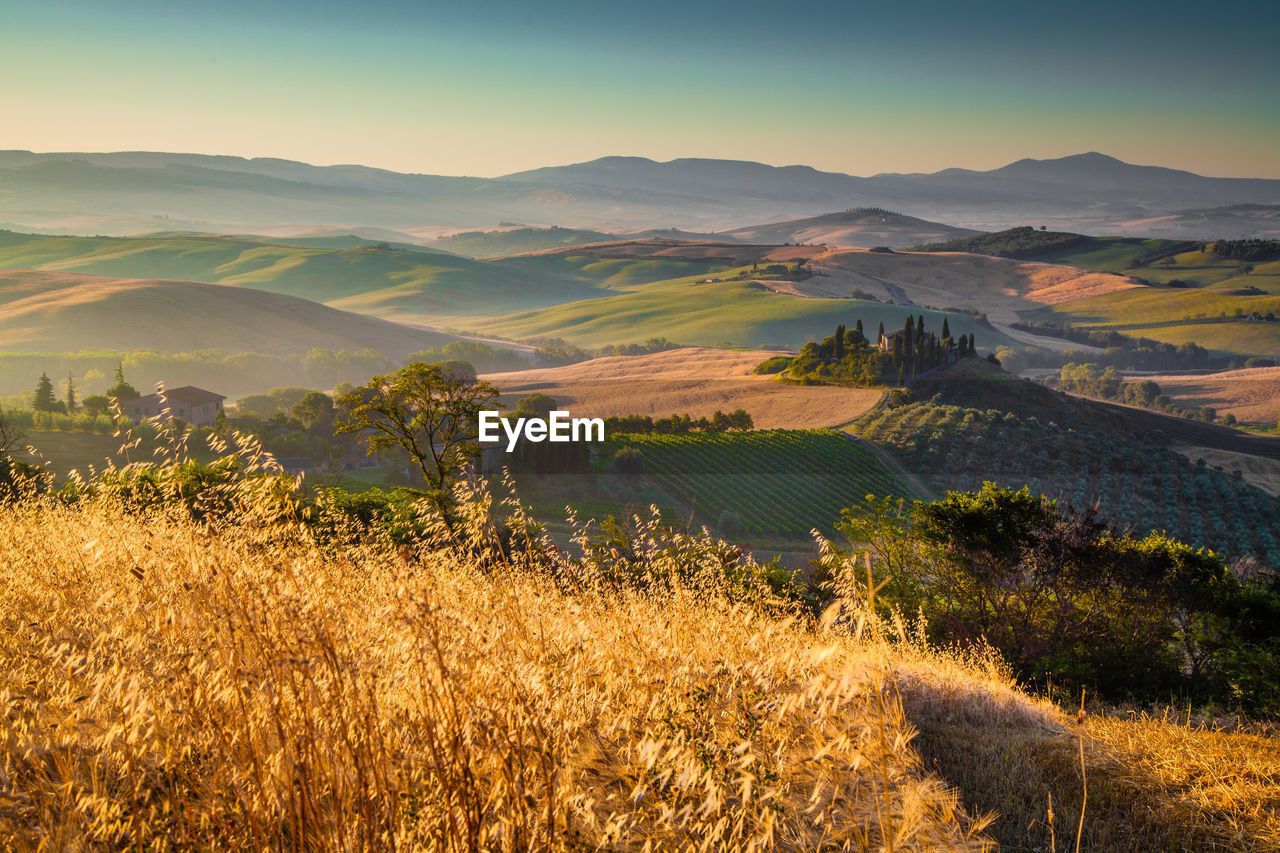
{"x": 187, "y": 394}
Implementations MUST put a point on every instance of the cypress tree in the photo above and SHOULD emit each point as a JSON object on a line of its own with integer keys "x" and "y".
{"x": 44, "y": 401}
{"x": 880, "y": 336}
{"x": 840, "y": 342}
{"x": 72, "y": 405}
{"x": 859, "y": 328}
{"x": 946, "y": 330}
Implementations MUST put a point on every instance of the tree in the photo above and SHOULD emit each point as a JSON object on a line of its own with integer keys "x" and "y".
{"x": 44, "y": 401}
{"x": 536, "y": 405}
{"x": 120, "y": 389}
{"x": 13, "y": 474}
{"x": 946, "y": 332}
{"x": 10, "y": 434}
{"x": 96, "y": 404}
{"x": 315, "y": 410}
{"x": 71, "y": 395}
{"x": 427, "y": 410}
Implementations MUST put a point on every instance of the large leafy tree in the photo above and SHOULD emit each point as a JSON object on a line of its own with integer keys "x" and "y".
{"x": 315, "y": 410}
{"x": 430, "y": 411}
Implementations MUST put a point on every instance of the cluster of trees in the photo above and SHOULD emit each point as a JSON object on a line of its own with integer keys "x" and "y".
{"x": 483, "y": 357}
{"x": 650, "y": 346}
{"x": 847, "y": 356}
{"x": 795, "y": 271}
{"x": 1137, "y": 353}
{"x": 738, "y": 419}
{"x": 1246, "y": 250}
{"x": 229, "y": 373}
{"x": 1107, "y": 384}
{"x": 1069, "y": 601}
{"x": 46, "y": 400}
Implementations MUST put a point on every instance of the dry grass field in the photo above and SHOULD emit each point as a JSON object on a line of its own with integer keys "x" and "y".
{"x": 166, "y": 687}
{"x": 997, "y": 286}
{"x": 171, "y": 685}
{"x": 695, "y": 381}
{"x": 1252, "y": 394}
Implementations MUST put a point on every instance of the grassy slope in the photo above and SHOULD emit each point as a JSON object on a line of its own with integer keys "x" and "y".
{"x": 610, "y": 272}
{"x": 61, "y": 452}
{"x": 409, "y": 694}
{"x": 395, "y": 283}
{"x": 43, "y": 311}
{"x": 691, "y": 311}
{"x": 498, "y": 244}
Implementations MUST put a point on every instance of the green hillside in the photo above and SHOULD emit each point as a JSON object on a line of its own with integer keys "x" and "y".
{"x": 394, "y": 283}
{"x": 610, "y": 272}
{"x": 516, "y": 241}
{"x": 1107, "y": 254}
{"x": 976, "y": 423}
{"x": 696, "y": 312}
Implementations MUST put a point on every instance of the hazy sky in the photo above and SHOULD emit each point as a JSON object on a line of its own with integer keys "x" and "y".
{"x": 487, "y": 88}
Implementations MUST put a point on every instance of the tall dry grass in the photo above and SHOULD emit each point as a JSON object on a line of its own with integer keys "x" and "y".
{"x": 167, "y": 684}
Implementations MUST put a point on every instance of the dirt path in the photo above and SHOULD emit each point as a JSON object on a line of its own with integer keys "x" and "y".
{"x": 1043, "y": 341}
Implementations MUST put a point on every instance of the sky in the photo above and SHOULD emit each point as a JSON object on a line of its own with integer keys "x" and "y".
{"x": 489, "y": 88}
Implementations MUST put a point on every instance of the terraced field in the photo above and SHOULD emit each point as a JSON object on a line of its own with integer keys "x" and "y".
{"x": 780, "y": 483}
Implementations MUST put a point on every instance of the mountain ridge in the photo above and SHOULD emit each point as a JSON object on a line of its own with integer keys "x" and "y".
{"x": 1090, "y": 192}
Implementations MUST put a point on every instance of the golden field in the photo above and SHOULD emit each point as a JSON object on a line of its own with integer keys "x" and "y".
{"x": 172, "y": 685}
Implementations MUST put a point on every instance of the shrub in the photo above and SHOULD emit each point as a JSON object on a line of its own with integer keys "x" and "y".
{"x": 628, "y": 460}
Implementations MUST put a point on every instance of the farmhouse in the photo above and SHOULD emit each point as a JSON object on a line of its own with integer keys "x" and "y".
{"x": 194, "y": 405}
{"x": 885, "y": 344}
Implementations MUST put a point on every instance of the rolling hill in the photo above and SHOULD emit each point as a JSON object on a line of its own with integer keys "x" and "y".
{"x": 411, "y": 284}
{"x": 54, "y": 311}
{"x": 973, "y": 423}
{"x": 865, "y": 227}
{"x": 699, "y": 312}
{"x": 1195, "y": 292}
{"x": 1252, "y": 395}
{"x": 516, "y": 241}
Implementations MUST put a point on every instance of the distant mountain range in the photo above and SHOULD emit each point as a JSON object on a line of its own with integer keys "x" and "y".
{"x": 137, "y": 192}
